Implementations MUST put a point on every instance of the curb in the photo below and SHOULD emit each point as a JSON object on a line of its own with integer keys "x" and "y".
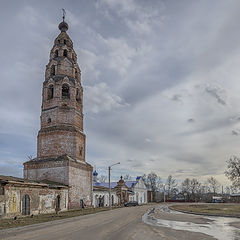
{"x": 205, "y": 214}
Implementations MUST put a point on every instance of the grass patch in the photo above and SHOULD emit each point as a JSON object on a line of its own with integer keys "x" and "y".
{"x": 212, "y": 209}
{"x": 23, "y": 221}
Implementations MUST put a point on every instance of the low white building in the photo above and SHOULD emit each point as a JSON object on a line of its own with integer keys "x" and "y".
{"x": 101, "y": 196}
{"x": 139, "y": 190}
{"x": 136, "y": 191}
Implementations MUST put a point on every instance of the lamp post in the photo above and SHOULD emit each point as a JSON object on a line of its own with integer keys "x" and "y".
{"x": 164, "y": 197}
{"x": 109, "y": 183}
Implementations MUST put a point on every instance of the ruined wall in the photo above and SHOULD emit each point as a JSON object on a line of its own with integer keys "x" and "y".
{"x": 56, "y": 171}
{"x": 42, "y": 200}
{"x": 77, "y": 175}
{"x": 80, "y": 180}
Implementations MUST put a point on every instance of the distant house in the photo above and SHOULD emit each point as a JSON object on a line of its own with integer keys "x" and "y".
{"x": 235, "y": 197}
{"x": 121, "y": 192}
{"x": 139, "y": 190}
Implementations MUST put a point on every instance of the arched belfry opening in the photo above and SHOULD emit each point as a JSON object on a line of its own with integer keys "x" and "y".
{"x": 78, "y": 96}
{"x": 65, "y": 53}
{"x": 56, "y": 53}
{"x": 52, "y": 73}
{"x": 50, "y": 92}
{"x": 65, "y": 91}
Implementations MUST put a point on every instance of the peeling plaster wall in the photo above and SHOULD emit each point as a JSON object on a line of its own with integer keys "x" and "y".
{"x": 42, "y": 200}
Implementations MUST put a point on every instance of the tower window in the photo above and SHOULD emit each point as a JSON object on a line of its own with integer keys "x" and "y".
{"x": 50, "y": 92}
{"x": 65, "y": 91}
{"x": 49, "y": 120}
{"x": 1, "y": 190}
{"x": 59, "y": 41}
{"x": 65, "y": 53}
{"x": 52, "y": 70}
{"x": 76, "y": 74}
{"x": 65, "y": 42}
{"x": 80, "y": 151}
{"x": 78, "y": 97}
{"x": 56, "y": 54}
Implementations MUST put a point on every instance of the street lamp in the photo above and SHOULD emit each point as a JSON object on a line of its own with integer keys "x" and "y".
{"x": 109, "y": 183}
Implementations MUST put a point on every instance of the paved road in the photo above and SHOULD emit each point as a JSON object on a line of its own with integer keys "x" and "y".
{"x": 124, "y": 223}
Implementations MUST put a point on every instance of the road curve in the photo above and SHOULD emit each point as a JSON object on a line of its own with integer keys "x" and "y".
{"x": 118, "y": 224}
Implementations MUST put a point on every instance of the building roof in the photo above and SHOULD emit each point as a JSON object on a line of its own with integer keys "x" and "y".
{"x": 22, "y": 181}
{"x": 129, "y": 184}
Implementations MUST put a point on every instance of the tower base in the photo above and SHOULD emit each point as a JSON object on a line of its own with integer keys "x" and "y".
{"x": 64, "y": 169}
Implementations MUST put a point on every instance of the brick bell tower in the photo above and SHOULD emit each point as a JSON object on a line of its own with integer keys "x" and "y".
{"x": 61, "y": 140}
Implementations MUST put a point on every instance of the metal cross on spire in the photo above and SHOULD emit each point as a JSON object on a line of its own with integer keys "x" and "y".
{"x": 64, "y": 14}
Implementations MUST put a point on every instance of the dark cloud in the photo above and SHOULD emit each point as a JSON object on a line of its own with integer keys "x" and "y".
{"x": 191, "y": 120}
{"x": 216, "y": 93}
{"x": 235, "y": 133}
{"x": 133, "y": 56}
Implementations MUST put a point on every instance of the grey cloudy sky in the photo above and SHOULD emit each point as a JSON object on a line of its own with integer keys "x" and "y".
{"x": 161, "y": 82}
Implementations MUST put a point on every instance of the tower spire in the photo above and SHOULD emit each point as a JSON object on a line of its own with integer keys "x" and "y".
{"x": 64, "y": 14}
{"x": 63, "y": 26}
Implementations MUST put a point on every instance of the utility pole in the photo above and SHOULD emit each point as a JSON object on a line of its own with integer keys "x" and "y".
{"x": 164, "y": 193}
{"x": 109, "y": 184}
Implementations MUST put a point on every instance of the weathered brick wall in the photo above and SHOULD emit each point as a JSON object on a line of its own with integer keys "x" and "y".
{"x": 50, "y": 172}
{"x": 77, "y": 175}
{"x": 42, "y": 200}
{"x": 80, "y": 181}
{"x": 56, "y": 143}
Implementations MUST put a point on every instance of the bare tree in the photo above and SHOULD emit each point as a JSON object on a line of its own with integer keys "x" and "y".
{"x": 153, "y": 182}
{"x": 127, "y": 177}
{"x": 213, "y": 185}
{"x": 233, "y": 171}
{"x": 30, "y": 157}
{"x": 186, "y": 188}
{"x": 171, "y": 186}
{"x": 102, "y": 178}
{"x": 195, "y": 188}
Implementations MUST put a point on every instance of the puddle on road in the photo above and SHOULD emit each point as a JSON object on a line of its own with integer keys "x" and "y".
{"x": 218, "y": 227}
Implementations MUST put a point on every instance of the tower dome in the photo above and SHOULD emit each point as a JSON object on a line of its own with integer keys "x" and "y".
{"x": 63, "y": 26}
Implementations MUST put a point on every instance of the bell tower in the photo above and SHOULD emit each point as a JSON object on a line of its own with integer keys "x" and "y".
{"x": 61, "y": 140}
{"x": 62, "y": 118}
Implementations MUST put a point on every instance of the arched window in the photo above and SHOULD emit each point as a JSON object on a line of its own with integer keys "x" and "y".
{"x": 59, "y": 41}
{"x": 26, "y": 205}
{"x": 58, "y": 208}
{"x": 56, "y": 54}
{"x": 52, "y": 70}
{"x": 112, "y": 200}
{"x": 65, "y": 53}
{"x": 82, "y": 203}
{"x": 65, "y": 91}
{"x": 65, "y": 42}
{"x": 80, "y": 151}
{"x": 50, "y": 92}
{"x": 76, "y": 74}
{"x": 78, "y": 97}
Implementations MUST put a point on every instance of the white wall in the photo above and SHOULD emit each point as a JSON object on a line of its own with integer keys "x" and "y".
{"x": 140, "y": 192}
{"x": 97, "y": 194}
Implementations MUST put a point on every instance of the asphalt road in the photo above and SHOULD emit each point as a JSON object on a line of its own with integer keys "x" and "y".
{"x": 124, "y": 223}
